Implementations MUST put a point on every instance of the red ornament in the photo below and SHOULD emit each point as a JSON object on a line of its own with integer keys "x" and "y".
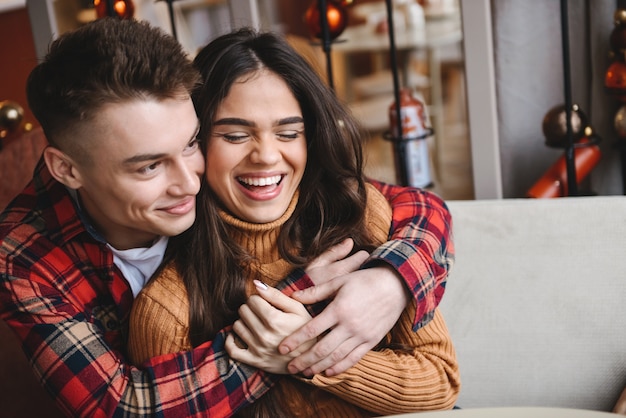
{"x": 615, "y": 80}
{"x": 336, "y": 15}
{"x": 124, "y": 9}
{"x": 553, "y": 183}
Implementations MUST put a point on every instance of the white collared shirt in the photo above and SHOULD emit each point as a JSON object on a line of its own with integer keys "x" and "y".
{"x": 139, "y": 264}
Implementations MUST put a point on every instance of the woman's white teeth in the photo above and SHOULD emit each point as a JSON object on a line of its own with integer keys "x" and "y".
{"x": 260, "y": 181}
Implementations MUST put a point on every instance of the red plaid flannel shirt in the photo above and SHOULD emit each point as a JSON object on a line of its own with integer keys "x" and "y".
{"x": 69, "y": 305}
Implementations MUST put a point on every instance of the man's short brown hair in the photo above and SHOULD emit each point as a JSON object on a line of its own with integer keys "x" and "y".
{"x": 106, "y": 61}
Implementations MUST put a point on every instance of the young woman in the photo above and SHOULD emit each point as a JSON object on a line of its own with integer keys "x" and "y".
{"x": 284, "y": 183}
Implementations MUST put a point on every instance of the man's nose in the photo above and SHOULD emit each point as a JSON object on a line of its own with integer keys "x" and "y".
{"x": 186, "y": 178}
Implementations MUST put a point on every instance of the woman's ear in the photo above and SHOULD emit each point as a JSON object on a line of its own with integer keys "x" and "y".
{"x": 62, "y": 167}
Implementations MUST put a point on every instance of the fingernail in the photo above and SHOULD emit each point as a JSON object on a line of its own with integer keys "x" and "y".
{"x": 260, "y": 285}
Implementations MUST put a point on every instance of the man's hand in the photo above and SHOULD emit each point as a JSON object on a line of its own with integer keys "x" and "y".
{"x": 334, "y": 263}
{"x": 366, "y": 305}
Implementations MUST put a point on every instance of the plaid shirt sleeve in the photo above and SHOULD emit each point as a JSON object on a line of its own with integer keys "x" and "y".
{"x": 77, "y": 350}
{"x": 76, "y": 360}
{"x": 420, "y": 247}
{"x": 89, "y": 378}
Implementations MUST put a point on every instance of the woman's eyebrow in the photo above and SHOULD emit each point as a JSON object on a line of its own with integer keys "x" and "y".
{"x": 233, "y": 121}
{"x": 290, "y": 120}
{"x": 244, "y": 122}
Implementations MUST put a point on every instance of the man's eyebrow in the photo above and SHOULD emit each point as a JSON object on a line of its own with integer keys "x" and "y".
{"x": 196, "y": 132}
{"x": 140, "y": 158}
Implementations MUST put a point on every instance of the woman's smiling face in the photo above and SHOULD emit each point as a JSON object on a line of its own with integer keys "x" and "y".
{"x": 256, "y": 153}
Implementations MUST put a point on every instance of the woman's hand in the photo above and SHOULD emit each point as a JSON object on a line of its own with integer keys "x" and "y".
{"x": 265, "y": 320}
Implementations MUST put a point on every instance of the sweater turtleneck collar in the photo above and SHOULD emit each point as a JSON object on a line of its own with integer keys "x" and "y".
{"x": 260, "y": 240}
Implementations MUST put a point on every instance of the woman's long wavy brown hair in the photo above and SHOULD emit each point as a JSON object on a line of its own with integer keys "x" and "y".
{"x": 332, "y": 198}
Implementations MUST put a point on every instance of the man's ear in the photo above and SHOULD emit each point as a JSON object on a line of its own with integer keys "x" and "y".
{"x": 62, "y": 167}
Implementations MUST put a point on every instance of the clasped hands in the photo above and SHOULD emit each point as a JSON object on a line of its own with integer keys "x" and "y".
{"x": 281, "y": 337}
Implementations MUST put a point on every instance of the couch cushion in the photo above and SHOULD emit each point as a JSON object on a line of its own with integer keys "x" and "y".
{"x": 536, "y": 301}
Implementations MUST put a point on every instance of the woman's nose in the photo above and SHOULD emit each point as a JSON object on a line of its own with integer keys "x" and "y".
{"x": 265, "y": 151}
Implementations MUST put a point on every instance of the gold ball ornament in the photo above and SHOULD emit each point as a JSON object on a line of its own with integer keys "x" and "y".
{"x": 11, "y": 117}
{"x": 619, "y": 122}
{"x": 554, "y": 125}
{"x": 619, "y": 17}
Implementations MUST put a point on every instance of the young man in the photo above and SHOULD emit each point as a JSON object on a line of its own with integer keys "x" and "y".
{"x": 119, "y": 177}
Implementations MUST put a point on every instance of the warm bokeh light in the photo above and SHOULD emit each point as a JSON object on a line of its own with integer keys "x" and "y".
{"x": 336, "y": 15}
{"x": 125, "y": 9}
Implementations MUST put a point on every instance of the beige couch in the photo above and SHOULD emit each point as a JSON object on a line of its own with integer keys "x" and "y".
{"x": 536, "y": 302}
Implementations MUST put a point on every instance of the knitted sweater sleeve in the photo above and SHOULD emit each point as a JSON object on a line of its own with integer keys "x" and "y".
{"x": 413, "y": 371}
{"x": 156, "y": 327}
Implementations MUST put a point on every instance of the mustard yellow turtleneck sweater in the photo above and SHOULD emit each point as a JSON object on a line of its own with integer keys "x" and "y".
{"x": 413, "y": 371}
